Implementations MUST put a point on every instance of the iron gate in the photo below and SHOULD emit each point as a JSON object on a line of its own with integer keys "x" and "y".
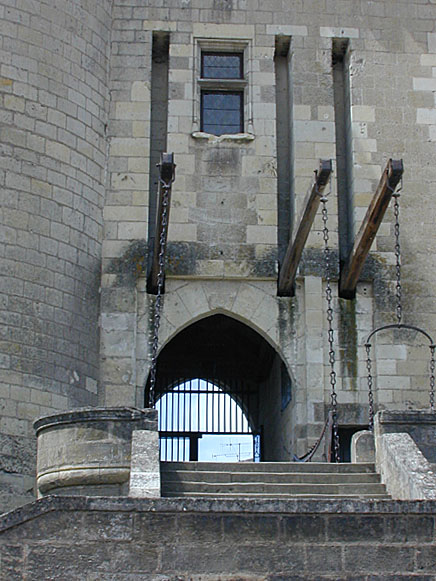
{"x": 191, "y": 408}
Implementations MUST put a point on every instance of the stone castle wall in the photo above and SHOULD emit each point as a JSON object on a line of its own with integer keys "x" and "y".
{"x": 54, "y": 106}
{"x": 224, "y": 220}
{"x": 61, "y": 61}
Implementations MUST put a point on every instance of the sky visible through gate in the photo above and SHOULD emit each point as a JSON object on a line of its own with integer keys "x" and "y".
{"x": 208, "y": 410}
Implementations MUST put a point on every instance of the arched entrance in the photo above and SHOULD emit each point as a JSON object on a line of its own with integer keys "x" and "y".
{"x": 197, "y": 415}
{"x": 219, "y": 376}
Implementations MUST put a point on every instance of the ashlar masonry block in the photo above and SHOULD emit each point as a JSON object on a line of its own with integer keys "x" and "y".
{"x": 144, "y": 465}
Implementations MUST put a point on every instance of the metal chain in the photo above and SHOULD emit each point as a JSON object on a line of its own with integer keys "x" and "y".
{"x": 370, "y": 390}
{"x": 332, "y": 358}
{"x": 398, "y": 292}
{"x": 399, "y": 315}
{"x": 398, "y": 288}
{"x": 432, "y": 376}
{"x": 165, "y": 188}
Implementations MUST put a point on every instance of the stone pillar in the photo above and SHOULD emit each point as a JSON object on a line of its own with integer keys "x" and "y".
{"x": 145, "y": 465}
{"x": 363, "y": 447}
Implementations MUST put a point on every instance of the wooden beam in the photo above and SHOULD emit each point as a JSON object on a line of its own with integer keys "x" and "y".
{"x": 167, "y": 169}
{"x": 288, "y": 270}
{"x": 370, "y": 225}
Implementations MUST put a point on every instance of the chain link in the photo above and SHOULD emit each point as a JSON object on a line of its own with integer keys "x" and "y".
{"x": 165, "y": 189}
{"x": 432, "y": 376}
{"x": 398, "y": 288}
{"x": 370, "y": 389}
{"x": 332, "y": 357}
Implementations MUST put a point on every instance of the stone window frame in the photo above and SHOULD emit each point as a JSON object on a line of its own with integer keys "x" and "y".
{"x": 243, "y": 46}
{"x": 224, "y": 84}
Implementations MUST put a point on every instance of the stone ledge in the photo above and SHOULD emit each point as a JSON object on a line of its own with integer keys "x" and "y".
{"x": 420, "y": 424}
{"x": 194, "y": 505}
{"x": 96, "y": 414}
{"x": 82, "y": 476}
{"x": 406, "y": 417}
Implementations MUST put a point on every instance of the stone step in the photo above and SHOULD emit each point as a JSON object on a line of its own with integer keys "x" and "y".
{"x": 247, "y": 488}
{"x": 271, "y": 480}
{"x": 274, "y": 467}
{"x": 259, "y": 496}
{"x": 271, "y": 477}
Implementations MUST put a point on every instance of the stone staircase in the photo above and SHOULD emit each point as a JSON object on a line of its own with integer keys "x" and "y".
{"x": 280, "y": 480}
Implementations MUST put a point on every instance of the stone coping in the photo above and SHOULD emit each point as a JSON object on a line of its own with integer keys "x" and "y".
{"x": 406, "y": 417}
{"x": 91, "y": 414}
{"x": 194, "y": 505}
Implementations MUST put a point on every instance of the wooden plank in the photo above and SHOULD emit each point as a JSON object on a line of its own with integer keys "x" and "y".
{"x": 368, "y": 230}
{"x": 166, "y": 176}
{"x": 288, "y": 270}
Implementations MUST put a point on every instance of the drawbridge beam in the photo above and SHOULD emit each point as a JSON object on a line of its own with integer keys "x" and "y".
{"x": 167, "y": 169}
{"x": 351, "y": 271}
{"x": 288, "y": 270}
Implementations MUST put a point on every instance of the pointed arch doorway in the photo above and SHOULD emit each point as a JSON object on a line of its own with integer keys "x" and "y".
{"x": 219, "y": 377}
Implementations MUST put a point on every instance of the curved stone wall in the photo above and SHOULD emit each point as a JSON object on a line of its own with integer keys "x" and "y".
{"x": 88, "y": 451}
{"x": 54, "y": 101}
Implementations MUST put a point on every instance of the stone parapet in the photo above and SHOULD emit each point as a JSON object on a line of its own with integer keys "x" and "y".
{"x": 88, "y": 451}
{"x": 420, "y": 424}
{"x": 404, "y": 469}
{"x": 404, "y": 445}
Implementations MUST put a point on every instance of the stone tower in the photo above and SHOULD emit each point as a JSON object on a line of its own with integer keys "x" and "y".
{"x": 93, "y": 92}
{"x": 55, "y": 105}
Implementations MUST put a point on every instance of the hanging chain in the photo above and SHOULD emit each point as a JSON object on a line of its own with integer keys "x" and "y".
{"x": 165, "y": 189}
{"x": 398, "y": 292}
{"x": 399, "y": 316}
{"x": 432, "y": 376}
{"x": 398, "y": 288}
{"x": 329, "y": 300}
{"x": 370, "y": 390}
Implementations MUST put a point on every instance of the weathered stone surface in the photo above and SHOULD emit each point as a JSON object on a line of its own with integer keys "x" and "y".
{"x": 420, "y": 424}
{"x": 90, "y": 448}
{"x": 144, "y": 464}
{"x": 403, "y": 467}
{"x": 109, "y": 538}
{"x": 54, "y": 153}
{"x": 76, "y": 113}
{"x": 363, "y": 447}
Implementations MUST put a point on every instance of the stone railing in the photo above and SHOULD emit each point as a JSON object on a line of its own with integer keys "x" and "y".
{"x": 403, "y": 446}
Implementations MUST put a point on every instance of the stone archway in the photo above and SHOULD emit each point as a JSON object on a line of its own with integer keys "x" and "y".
{"x": 229, "y": 353}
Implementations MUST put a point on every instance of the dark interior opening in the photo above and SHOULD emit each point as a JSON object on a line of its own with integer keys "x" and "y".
{"x": 345, "y": 435}
{"x": 236, "y": 358}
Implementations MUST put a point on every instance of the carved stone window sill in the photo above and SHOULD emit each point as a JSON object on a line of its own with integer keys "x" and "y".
{"x": 235, "y": 137}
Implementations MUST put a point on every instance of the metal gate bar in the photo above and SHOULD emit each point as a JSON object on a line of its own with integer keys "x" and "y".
{"x": 192, "y": 407}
